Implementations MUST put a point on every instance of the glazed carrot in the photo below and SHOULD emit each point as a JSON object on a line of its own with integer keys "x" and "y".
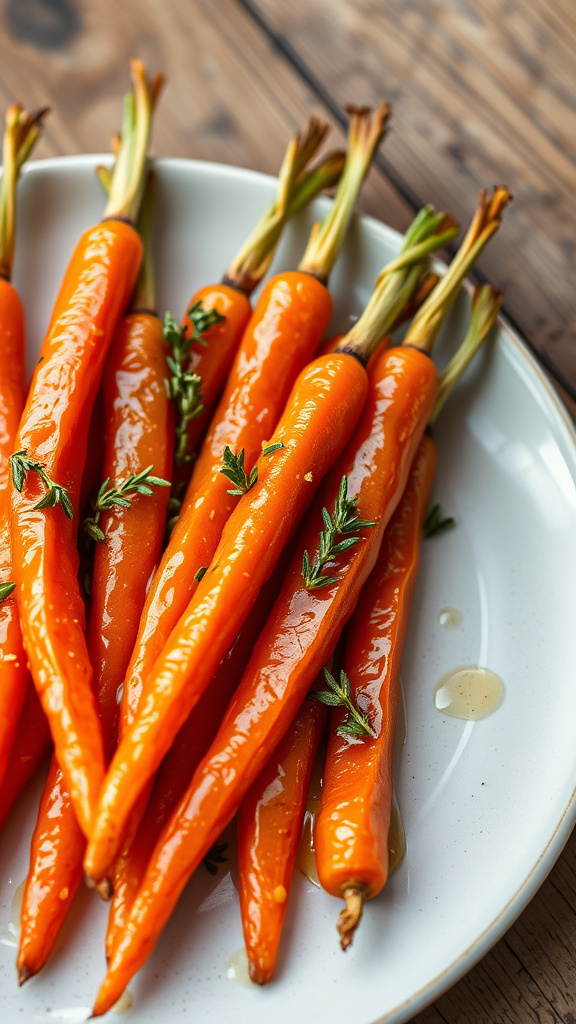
{"x": 31, "y": 744}
{"x": 269, "y": 828}
{"x": 295, "y": 472}
{"x": 22, "y": 130}
{"x": 289, "y": 320}
{"x": 309, "y": 613}
{"x": 48, "y": 463}
{"x": 188, "y": 748}
{"x": 138, "y": 429}
{"x": 351, "y": 832}
{"x": 214, "y": 347}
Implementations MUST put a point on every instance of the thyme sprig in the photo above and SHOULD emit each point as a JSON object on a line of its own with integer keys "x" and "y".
{"x": 214, "y": 857}
{"x": 435, "y": 522}
{"x": 343, "y": 521}
{"x": 339, "y": 695}
{"x": 118, "y": 497}
{"x": 6, "y": 589}
{"x": 234, "y": 469}
{"x": 184, "y": 386}
{"x": 21, "y": 465}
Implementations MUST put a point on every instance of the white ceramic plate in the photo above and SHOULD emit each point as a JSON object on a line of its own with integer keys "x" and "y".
{"x": 487, "y": 805}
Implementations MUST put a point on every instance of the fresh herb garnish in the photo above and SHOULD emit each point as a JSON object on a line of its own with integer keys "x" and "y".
{"x": 233, "y": 467}
{"x": 338, "y": 695}
{"x": 199, "y": 575}
{"x": 435, "y": 522}
{"x": 6, "y": 589}
{"x": 343, "y": 521}
{"x": 21, "y": 465}
{"x": 214, "y": 857}
{"x": 118, "y": 497}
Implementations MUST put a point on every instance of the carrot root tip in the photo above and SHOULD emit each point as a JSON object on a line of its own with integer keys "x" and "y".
{"x": 24, "y": 974}
{"x": 350, "y": 917}
{"x": 105, "y": 889}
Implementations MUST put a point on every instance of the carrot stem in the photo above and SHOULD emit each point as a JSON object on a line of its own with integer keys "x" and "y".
{"x": 485, "y": 306}
{"x": 21, "y": 133}
{"x": 486, "y": 222}
{"x": 365, "y": 132}
{"x": 296, "y": 187}
{"x": 144, "y": 294}
{"x": 397, "y": 281}
{"x": 128, "y": 178}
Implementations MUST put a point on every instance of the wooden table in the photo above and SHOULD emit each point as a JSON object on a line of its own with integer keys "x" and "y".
{"x": 482, "y": 92}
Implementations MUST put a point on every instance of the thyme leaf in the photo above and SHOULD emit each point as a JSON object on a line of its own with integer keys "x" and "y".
{"x": 118, "y": 497}
{"x": 215, "y": 856}
{"x": 200, "y": 573}
{"x": 21, "y": 465}
{"x": 233, "y": 467}
{"x": 338, "y": 695}
{"x": 435, "y": 522}
{"x": 6, "y": 589}
{"x": 343, "y": 521}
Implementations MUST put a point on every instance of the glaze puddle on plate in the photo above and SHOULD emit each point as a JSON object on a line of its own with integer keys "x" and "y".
{"x": 469, "y": 693}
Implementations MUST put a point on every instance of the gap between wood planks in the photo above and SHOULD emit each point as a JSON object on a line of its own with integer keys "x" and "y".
{"x": 300, "y": 66}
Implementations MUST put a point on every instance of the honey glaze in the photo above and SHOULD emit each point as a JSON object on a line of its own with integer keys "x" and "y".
{"x": 10, "y": 934}
{"x": 237, "y": 968}
{"x": 124, "y": 1003}
{"x": 450, "y": 618}
{"x": 469, "y": 693}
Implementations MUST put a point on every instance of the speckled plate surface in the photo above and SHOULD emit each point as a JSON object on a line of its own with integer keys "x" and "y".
{"x": 487, "y": 805}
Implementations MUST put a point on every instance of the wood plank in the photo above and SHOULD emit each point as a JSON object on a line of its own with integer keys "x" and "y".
{"x": 481, "y": 92}
{"x": 230, "y": 97}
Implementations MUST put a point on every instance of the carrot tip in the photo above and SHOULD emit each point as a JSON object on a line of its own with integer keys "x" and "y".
{"x": 24, "y": 974}
{"x": 105, "y": 889}
{"x": 350, "y": 917}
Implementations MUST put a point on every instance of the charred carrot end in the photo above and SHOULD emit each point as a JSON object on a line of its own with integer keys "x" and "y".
{"x": 485, "y": 223}
{"x": 365, "y": 132}
{"x": 20, "y": 135}
{"x": 350, "y": 917}
{"x": 127, "y": 182}
{"x": 296, "y": 187}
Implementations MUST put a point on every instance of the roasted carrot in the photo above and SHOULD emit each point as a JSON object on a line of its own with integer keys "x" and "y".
{"x": 31, "y": 744}
{"x": 289, "y": 320}
{"x": 51, "y": 449}
{"x": 126, "y": 527}
{"x": 269, "y": 827}
{"x": 351, "y": 832}
{"x": 212, "y": 346}
{"x": 21, "y": 131}
{"x": 319, "y": 394}
{"x": 310, "y": 611}
{"x": 178, "y": 766}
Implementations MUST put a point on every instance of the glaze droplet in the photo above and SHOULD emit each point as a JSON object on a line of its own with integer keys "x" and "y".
{"x": 469, "y": 693}
{"x": 450, "y": 618}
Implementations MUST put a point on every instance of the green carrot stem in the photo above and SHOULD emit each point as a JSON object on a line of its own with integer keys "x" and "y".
{"x": 144, "y": 295}
{"x": 296, "y": 187}
{"x": 128, "y": 177}
{"x": 397, "y": 282}
{"x": 20, "y": 135}
{"x": 427, "y": 322}
{"x": 364, "y": 135}
{"x": 485, "y": 306}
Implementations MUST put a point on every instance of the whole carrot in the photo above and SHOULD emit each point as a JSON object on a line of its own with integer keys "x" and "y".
{"x": 21, "y": 131}
{"x": 126, "y": 527}
{"x": 289, "y": 320}
{"x": 309, "y": 613}
{"x": 48, "y": 463}
{"x": 269, "y": 829}
{"x": 319, "y": 398}
{"x": 351, "y": 832}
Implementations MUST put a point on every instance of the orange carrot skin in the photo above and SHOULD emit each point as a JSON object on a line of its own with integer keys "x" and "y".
{"x": 139, "y": 433}
{"x": 288, "y": 322}
{"x": 212, "y": 360}
{"x": 55, "y": 872}
{"x": 138, "y": 429}
{"x": 269, "y": 829}
{"x": 31, "y": 743}
{"x": 321, "y": 413}
{"x": 54, "y": 427}
{"x": 14, "y": 674}
{"x": 299, "y": 636}
{"x": 351, "y": 833}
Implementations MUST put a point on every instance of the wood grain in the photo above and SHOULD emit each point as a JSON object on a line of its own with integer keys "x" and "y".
{"x": 482, "y": 92}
